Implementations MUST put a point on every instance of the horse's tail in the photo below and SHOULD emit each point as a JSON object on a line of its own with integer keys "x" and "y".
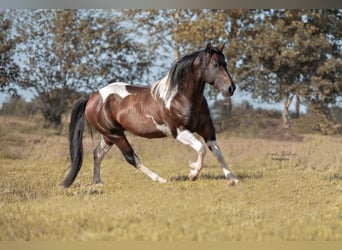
{"x": 76, "y": 128}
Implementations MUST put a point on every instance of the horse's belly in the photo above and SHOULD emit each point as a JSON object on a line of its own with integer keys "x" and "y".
{"x": 142, "y": 124}
{"x": 146, "y": 130}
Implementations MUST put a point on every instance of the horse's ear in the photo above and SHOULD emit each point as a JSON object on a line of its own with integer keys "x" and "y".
{"x": 208, "y": 49}
{"x": 222, "y": 47}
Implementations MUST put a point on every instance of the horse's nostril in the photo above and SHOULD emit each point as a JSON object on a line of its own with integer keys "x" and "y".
{"x": 231, "y": 89}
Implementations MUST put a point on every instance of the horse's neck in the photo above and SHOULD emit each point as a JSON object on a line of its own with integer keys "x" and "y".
{"x": 193, "y": 91}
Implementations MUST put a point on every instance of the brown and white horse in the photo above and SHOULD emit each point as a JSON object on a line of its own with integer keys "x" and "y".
{"x": 174, "y": 106}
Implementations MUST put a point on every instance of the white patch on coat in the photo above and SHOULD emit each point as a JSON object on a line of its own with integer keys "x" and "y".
{"x": 148, "y": 172}
{"x": 187, "y": 138}
{"x": 162, "y": 89}
{"x": 162, "y": 127}
{"x": 118, "y": 88}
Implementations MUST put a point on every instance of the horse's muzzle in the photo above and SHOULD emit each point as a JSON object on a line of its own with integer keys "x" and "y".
{"x": 228, "y": 91}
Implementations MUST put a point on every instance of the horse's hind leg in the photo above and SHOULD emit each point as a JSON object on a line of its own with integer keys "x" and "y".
{"x": 129, "y": 154}
{"x": 99, "y": 152}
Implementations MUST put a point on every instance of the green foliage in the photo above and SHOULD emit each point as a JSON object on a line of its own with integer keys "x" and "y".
{"x": 9, "y": 70}
{"x": 276, "y": 55}
{"x": 63, "y": 51}
{"x": 293, "y": 53}
{"x": 16, "y": 106}
{"x": 185, "y": 30}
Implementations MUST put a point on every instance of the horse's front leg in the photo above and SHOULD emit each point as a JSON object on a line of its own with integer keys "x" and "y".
{"x": 187, "y": 138}
{"x": 219, "y": 156}
{"x": 207, "y": 130}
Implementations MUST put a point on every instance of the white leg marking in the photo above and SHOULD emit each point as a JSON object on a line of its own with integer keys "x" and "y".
{"x": 187, "y": 138}
{"x": 148, "y": 172}
{"x": 104, "y": 146}
{"x": 219, "y": 156}
{"x": 99, "y": 152}
{"x": 118, "y": 88}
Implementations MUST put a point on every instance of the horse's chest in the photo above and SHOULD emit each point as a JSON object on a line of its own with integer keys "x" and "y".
{"x": 181, "y": 109}
{"x": 185, "y": 112}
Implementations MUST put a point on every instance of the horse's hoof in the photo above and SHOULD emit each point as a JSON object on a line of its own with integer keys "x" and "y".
{"x": 161, "y": 180}
{"x": 233, "y": 182}
{"x": 192, "y": 177}
{"x": 98, "y": 182}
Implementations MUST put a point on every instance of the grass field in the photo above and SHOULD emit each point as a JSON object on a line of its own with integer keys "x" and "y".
{"x": 290, "y": 190}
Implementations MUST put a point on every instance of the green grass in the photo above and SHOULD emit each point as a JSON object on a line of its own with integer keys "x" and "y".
{"x": 297, "y": 198}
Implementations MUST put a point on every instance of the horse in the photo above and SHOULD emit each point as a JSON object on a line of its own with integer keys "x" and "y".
{"x": 173, "y": 106}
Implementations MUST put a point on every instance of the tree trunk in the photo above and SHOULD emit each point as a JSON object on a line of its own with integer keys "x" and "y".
{"x": 175, "y": 35}
{"x": 286, "y": 114}
{"x": 297, "y": 106}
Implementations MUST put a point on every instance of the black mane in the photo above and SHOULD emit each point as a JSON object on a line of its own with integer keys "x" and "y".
{"x": 182, "y": 71}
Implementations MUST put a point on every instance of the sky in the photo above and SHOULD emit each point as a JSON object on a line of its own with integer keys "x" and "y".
{"x": 237, "y": 99}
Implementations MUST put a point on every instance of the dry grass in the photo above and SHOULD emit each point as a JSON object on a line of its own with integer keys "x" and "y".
{"x": 289, "y": 191}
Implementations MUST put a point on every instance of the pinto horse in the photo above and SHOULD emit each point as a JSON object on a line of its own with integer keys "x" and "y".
{"x": 173, "y": 106}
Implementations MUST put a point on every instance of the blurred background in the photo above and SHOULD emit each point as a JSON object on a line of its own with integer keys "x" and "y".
{"x": 286, "y": 63}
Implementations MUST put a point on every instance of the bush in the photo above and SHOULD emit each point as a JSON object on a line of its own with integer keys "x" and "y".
{"x": 18, "y": 107}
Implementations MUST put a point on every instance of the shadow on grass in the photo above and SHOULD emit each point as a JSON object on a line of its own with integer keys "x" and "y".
{"x": 210, "y": 176}
{"x": 335, "y": 177}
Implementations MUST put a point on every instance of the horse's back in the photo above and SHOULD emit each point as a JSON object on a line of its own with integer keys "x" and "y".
{"x": 121, "y": 89}
{"x": 128, "y": 107}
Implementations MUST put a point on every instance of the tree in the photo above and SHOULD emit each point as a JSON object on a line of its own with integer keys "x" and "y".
{"x": 326, "y": 82}
{"x": 82, "y": 50}
{"x": 183, "y": 31}
{"x": 283, "y": 51}
{"x": 326, "y": 92}
{"x": 9, "y": 70}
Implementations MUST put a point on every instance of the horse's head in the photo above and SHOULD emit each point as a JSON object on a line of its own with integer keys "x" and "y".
{"x": 216, "y": 73}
